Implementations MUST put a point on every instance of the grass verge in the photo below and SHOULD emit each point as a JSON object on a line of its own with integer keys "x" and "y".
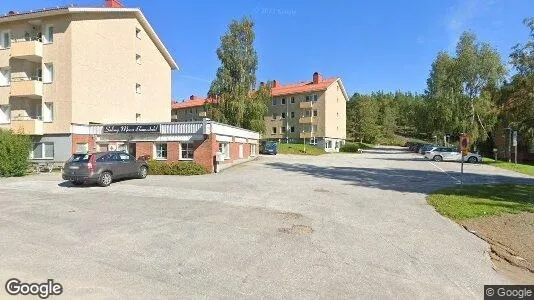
{"x": 470, "y": 201}
{"x": 520, "y": 168}
{"x": 299, "y": 149}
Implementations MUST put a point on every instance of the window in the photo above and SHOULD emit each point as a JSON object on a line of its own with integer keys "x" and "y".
{"x": 283, "y": 115}
{"x": 48, "y": 112}
{"x": 43, "y": 151}
{"x": 224, "y": 148}
{"x": 48, "y": 75}
{"x": 313, "y": 141}
{"x": 252, "y": 150}
{"x": 138, "y": 88}
{"x": 283, "y": 100}
{"x": 314, "y": 128}
{"x": 138, "y": 33}
{"x": 307, "y": 98}
{"x": 307, "y": 113}
{"x": 49, "y": 34}
{"x": 292, "y": 114}
{"x": 274, "y": 116}
{"x": 137, "y": 117}
{"x": 329, "y": 144}
{"x": 138, "y": 59}
{"x": 190, "y": 110}
{"x": 5, "y": 114}
{"x": 292, "y": 100}
{"x": 82, "y": 147}
{"x": 292, "y": 129}
{"x": 126, "y": 157}
{"x": 283, "y": 130}
{"x": 315, "y": 97}
{"x": 315, "y": 113}
{"x": 5, "y": 76}
{"x": 5, "y": 39}
{"x": 274, "y": 130}
{"x": 186, "y": 151}
{"x": 274, "y": 102}
{"x": 161, "y": 150}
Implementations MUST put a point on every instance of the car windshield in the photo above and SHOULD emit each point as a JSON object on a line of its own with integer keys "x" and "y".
{"x": 79, "y": 158}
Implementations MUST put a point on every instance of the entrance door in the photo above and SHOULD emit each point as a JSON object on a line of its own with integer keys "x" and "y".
{"x": 131, "y": 149}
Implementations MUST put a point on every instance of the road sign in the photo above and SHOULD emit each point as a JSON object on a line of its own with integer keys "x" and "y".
{"x": 514, "y": 139}
{"x": 465, "y": 141}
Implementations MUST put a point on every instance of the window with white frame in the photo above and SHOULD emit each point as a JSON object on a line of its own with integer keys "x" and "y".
{"x": 252, "y": 150}
{"x": 48, "y": 75}
{"x": 224, "y": 148}
{"x": 283, "y": 101}
{"x": 138, "y": 88}
{"x": 292, "y": 114}
{"x": 138, "y": 59}
{"x": 274, "y": 102}
{"x": 48, "y": 112}
{"x": 82, "y": 147}
{"x": 48, "y": 36}
{"x": 292, "y": 129}
{"x": 186, "y": 151}
{"x": 315, "y": 97}
{"x": 292, "y": 100}
{"x": 314, "y": 128}
{"x": 5, "y": 39}
{"x": 161, "y": 150}
{"x": 5, "y": 114}
{"x": 240, "y": 148}
{"x": 283, "y": 115}
{"x": 5, "y": 76}
{"x": 43, "y": 150}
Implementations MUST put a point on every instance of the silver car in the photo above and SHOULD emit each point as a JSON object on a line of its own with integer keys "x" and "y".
{"x": 452, "y": 154}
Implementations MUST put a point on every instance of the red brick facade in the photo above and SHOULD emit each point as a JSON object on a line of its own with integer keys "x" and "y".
{"x": 205, "y": 152}
{"x": 144, "y": 149}
{"x": 173, "y": 151}
{"x": 83, "y": 139}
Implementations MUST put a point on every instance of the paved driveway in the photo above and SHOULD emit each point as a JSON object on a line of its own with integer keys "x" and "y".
{"x": 335, "y": 226}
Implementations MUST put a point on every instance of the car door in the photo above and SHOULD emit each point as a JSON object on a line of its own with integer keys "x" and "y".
{"x": 453, "y": 155}
{"x": 129, "y": 163}
{"x": 118, "y": 168}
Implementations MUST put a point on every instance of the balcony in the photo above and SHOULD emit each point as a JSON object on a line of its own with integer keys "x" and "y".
{"x": 29, "y": 50}
{"x": 306, "y": 135}
{"x": 307, "y": 120}
{"x": 27, "y": 126}
{"x": 308, "y": 104}
{"x": 31, "y": 87}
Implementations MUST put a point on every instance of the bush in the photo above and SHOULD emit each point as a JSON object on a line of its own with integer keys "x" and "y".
{"x": 353, "y": 147}
{"x": 14, "y": 151}
{"x": 156, "y": 167}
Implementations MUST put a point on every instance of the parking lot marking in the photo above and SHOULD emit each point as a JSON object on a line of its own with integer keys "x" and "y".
{"x": 456, "y": 179}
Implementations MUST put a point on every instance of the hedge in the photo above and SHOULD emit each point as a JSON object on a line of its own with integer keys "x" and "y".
{"x": 353, "y": 147}
{"x": 14, "y": 152}
{"x": 156, "y": 167}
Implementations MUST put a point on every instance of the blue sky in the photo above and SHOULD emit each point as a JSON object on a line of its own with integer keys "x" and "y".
{"x": 371, "y": 45}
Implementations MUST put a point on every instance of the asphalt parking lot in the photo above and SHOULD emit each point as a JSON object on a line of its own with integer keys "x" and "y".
{"x": 334, "y": 226}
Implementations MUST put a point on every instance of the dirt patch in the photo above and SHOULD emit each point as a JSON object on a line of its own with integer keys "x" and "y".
{"x": 297, "y": 230}
{"x": 511, "y": 237}
{"x": 287, "y": 216}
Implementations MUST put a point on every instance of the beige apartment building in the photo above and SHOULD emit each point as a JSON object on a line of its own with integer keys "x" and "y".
{"x": 80, "y": 65}
{"x": 190, "y": 110}
{"x": 313, "y": 112}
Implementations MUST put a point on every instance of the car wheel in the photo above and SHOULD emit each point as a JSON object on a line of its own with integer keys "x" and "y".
{"x": 105, "y": 179}
{"x": 143, "y": 171}
{"x": 472, "y": 160}
{"x": 77, "y": 182}
{"x": 438, "y": 158}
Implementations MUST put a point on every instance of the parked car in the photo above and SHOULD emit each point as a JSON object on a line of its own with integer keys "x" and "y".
{"x": 451, "y": 154}
{"x": 416, "y": 147}
{"x": 103, "y": 168}
{"x": 268, "y": 147}
{"x": 425, "y": 148}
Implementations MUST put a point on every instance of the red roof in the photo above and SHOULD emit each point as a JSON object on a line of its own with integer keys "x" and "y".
{"x": 302, "y": 87}
{"x": 193, "y": 101}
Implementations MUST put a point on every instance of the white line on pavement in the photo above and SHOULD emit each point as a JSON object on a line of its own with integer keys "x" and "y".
{"x": 458, "y": 181}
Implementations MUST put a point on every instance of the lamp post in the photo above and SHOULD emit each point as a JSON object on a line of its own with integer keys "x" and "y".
{"x": 509, "y": 130}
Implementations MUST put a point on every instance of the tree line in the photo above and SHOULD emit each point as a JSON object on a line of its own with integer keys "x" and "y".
{"x": 467, "y": 92}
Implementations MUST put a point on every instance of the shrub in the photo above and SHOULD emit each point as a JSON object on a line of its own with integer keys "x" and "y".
{"x": 14, "y": 151}
{"x": 353, "y": 147}
{"x": 156, "y": 167}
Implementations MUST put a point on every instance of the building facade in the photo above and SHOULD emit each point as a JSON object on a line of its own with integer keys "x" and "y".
{"x": 313, "y": 112}
{"x": 198, "y": 141}
{"x": 192, "y": 109}
{"x": 78, "y": 65}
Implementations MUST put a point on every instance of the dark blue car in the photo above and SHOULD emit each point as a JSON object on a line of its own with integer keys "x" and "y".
{"x": 267, "y": 147}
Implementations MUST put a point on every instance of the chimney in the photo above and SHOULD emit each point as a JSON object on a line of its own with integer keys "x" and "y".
{"x": 317, "y": 78}
{"x": 113, "y": 4}
{"x": 262, "y": 84}
{"x": 274, "y": 84}
{"x": 192, "y": 97}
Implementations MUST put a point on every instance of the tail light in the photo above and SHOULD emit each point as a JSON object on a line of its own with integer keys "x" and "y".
{"x": 91, "y": 164}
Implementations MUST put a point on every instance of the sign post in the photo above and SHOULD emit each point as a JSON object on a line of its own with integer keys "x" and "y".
{"x": 465, "y": 141}
{"x": 514, "y": 143}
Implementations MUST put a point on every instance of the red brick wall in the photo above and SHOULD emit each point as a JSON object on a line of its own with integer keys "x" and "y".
{"x": 204, "y": 153}
{"x": 246, "y": 150}
{"x": 234, "y": 151}
{"x": 143, "y": 149}
{"x": 83, "y": 138}
{"x": 173, "y": 151}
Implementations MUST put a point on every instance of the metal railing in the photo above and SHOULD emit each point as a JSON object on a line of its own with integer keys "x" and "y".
{"x": 26, "y": 118}
{"x": 26, "y": 78}
{"x": 37, "y": 38}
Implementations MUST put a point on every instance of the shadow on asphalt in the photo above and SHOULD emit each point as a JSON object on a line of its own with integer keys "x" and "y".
{"x": 402, "y": 180}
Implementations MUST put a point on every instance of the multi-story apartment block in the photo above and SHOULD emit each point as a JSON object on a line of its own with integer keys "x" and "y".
{"x": 312, "y": 112}
{"x": 193, "y": 109}
{"x": 80, "y": 65}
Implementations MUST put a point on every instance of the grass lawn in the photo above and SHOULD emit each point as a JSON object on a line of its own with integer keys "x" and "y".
{"x": 299, "y": 149}
{"x": 469, "y": 201}
{"x": 520, "y": 168}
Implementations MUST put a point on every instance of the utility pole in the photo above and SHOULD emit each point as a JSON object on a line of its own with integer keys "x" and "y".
{"x": 514, "y": 143}
{"x": 509, "y": 130}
